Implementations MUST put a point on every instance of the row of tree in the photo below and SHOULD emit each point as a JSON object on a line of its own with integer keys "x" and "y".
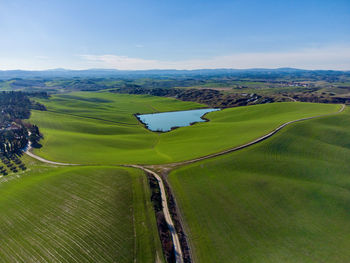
{"x": 14, "y": 133}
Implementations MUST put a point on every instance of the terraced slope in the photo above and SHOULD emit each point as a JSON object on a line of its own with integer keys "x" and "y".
{"x": 286, "y": 199}
{"x": 100, "y": 128}
{"x": 77, "y": 214}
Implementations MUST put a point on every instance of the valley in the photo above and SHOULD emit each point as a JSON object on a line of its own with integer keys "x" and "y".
{"x": 89, "y": 137}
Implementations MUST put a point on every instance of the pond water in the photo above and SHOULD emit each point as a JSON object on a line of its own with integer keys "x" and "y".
{"x": 164, "y": 121}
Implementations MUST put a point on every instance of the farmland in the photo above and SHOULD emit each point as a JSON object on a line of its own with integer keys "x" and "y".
{"x": 174, "y": 131}
{"x": 101, "y": 212}
{"x": 77, "y": 214}
{"x": 283, "y": 200}
{"x": 99, "y": 128}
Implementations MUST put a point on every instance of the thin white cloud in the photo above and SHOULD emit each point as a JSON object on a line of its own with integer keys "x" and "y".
{"x": 334, "y": 57}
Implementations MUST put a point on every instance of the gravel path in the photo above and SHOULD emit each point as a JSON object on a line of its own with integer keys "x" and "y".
{"x": 177, "y": 246}
{"x": 166, "y": 211}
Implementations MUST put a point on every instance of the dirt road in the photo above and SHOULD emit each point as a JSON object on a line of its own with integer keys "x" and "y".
{"x": 168, "y": 167}
{"x": 166, "y": 211}
{"x": 28, "y": 152}
{"x": 262, "y": 138}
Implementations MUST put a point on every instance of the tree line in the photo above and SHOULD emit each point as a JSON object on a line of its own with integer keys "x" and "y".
{"x": 15, "y": 133}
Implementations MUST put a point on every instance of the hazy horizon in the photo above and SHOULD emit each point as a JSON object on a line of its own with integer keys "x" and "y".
{"x": 181, "y": 35}
{"x": 168, "y": 69}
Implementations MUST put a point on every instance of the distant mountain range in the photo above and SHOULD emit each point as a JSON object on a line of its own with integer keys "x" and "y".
{"x": 66, "y": 73}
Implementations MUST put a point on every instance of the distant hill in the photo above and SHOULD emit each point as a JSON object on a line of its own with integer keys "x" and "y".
{"x": 66, "y": 73}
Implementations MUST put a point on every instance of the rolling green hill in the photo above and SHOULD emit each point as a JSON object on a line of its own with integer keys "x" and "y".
{"x": 95, "y": 128}
{"x": 77, "y": 214}
{"x": 286, "y": 199}
{"x": 282, "y": 200}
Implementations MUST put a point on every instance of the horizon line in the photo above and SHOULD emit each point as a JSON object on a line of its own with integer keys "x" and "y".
{"x": 169, "y": 69}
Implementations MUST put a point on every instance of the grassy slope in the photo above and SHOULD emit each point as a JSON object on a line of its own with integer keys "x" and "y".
{"x": 77, "y": 214}
{"x": 78, "y": 139}
{"x": 286, "y": 199}
{"x": 114, "y": 107}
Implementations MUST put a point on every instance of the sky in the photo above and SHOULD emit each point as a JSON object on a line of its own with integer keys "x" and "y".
{"x": 168, "y": 34}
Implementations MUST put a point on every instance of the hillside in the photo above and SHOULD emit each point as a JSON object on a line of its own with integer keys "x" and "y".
{"x": 100, "y": 128}
{"x": 283, "y": 200}
{"x": 77, "y": 214}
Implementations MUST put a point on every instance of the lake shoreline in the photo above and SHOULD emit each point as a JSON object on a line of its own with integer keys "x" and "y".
{"x": 201, "y": 118}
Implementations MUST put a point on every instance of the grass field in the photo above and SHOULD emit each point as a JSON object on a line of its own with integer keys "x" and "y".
{"x": 99, "y": 128}
{"x": 286, "y": 199}
{"x": 77, "y": 214}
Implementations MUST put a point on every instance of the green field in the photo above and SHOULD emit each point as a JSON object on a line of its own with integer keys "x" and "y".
{"x": 278, "y": 201}
{"x": 99, "y": 128}
{"x": 77, "y": 214}
{"x": 286, "y": 199}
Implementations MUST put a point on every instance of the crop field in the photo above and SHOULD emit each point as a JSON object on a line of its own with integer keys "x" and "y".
{"x": 99, "y": 128}
{"x": 286, "y": 199}
{"x": 240, "y": 203}
{"x": 77, "y": 214}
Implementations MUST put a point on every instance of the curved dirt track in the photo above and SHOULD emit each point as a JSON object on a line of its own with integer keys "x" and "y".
{"x": 28, "y": 152}
{"x": 166, "y": 211}
{"x": 47, "y": 161}
{"x": 262, "y": 138}
{"x": 168, "y": 167}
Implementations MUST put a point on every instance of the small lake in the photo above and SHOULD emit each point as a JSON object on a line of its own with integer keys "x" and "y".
{"x": 164, "y": 121}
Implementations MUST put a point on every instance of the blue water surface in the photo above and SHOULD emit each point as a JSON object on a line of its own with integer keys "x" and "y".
{"x": 164, "y": 121}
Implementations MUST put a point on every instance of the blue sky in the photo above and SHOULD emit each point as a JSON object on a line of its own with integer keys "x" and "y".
{"x": 137, "y": 34}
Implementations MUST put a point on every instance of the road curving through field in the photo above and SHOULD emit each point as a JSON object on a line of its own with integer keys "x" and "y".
{"x": 260, "y": 139}
{"x": 166, "y": 211}
{"x": 28, "y": 152}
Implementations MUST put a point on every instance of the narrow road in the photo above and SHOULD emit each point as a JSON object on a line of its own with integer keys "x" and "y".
{"x": 166, "y": 211}
{"x": 174, "y": 235}
{"x": 28, "y": 152}
{"x": 262, "y": 138}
